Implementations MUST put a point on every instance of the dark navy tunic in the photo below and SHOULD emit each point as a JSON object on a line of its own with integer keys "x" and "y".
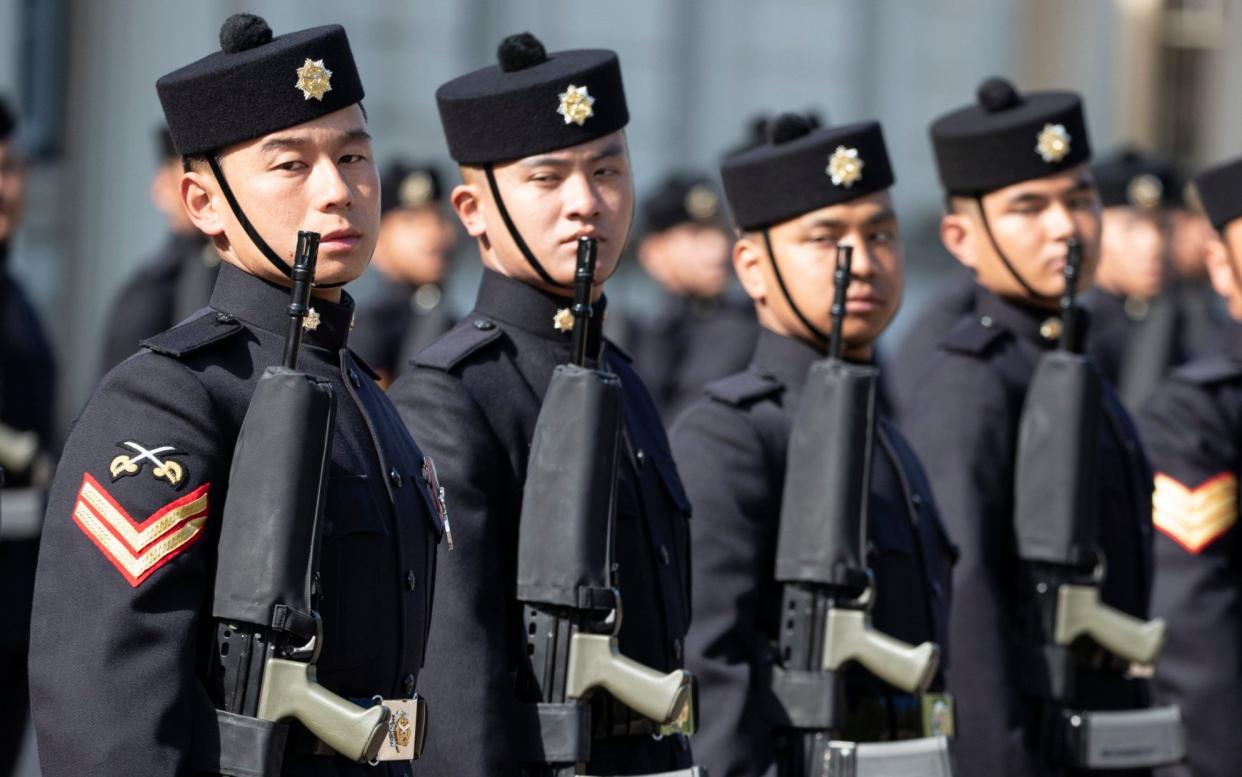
{"x": 401, "y": 321}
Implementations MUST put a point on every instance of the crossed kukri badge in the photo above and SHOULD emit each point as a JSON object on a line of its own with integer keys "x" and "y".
{"x": 163, "y": 468}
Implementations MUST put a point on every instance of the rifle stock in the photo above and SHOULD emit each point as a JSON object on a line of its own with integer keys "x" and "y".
{"x": 849, "y": 636}
{"x": 1081, "y": 613}
{"x": 292, "y": 692}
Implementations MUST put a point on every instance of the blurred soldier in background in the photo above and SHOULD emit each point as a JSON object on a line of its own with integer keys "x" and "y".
{"x": 1203, "y": 316}
{"x": 27, "y": 394}
{"x": 701, "y": 332}
{"x": 415, "y": 248}
{"x": 173, "y": 283}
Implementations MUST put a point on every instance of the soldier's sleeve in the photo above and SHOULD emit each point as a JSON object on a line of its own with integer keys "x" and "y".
{"x": 467, "y": 676}
{"x": 123, "y": 583}
{"x": 1193, "y": 449}
{"x": 960, "y": 425}
{"x": 722, "y": 464}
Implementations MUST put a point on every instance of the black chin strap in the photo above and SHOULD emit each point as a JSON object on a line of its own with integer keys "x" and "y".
{"x": 251, "y": 232}
{"x": 776, "y": 269}
{"x": 517, "y": 236}
{"x": 1013, "y": 271}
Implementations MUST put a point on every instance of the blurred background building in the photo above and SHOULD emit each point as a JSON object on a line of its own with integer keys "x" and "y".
{"x": 1161, "y": 74}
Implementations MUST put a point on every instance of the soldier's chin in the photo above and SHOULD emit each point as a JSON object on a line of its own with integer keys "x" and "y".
{"x": 338, "y": 270}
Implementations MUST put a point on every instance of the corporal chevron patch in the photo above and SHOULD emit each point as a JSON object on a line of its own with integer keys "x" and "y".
{"x": 1195, "y": 517}
{"x": 136, "y": 548}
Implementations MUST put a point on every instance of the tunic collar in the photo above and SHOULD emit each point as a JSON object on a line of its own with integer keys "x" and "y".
{"x": 265, "y": 305}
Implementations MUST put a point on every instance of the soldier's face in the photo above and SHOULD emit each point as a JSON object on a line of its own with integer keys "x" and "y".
{"x": 1031, "y": 222}
{"x": 415, "y": 244}
{"x": 12, "y": 190}
{"x": 1133, "y": 248}
{"x": 806, "y": 250}
{"x": 318, "y": 176}
{"x": 689, "y": 259}
{"x": 554, "y": 199}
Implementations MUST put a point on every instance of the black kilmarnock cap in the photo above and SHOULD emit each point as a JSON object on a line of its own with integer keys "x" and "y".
{"x": 258, "y": 84}
{"x": 682, "y": 199}
{"x": 405, "y": 184}
{"x": 1220, "y": 190}
{"x": 8, "y": 122}
{"x": 1008, "y": 137}
{"x": 531, "y": 102}
{"x": 801, "y": 169}
{"x": 1136, "y": 180}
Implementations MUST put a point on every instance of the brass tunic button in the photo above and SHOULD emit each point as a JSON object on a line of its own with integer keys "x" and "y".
{"x": 483, "y": 325}
{"x": 353, "y": 378}
{"x": 394, "y": 477}
{"x": 411, "y": 580}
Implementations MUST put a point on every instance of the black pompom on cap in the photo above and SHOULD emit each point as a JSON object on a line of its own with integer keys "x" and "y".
{"x": 787, "y": 127}
{"x": 242, "y": 32}
{"x": 997, "y": 94}
{"x": 518, "y": 52}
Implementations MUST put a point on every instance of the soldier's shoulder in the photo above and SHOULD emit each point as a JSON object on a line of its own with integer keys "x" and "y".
{"x": 972, "y": 335}
{"x": 199, "y": 334}
{"x": 742, "y": 389}
{"x": 1209, "y": 371}
{"x": 473, "y": 337}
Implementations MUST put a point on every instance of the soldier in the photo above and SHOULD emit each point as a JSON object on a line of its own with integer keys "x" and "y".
{"x": 173, "y": 283}
{"x": 1135, "y": 336}
{"x": 731, "y": 444}
{"x": 1192, "y": 429}
{"x": 27, "y": 394}
{"x": 541, "y": 143}
{"x": 274, "y": 140}
{"x": 1018, "y": 190}
{"x": 1201, "y": 308}
{"x": 415, "y": 246}
{"x": 701, "y": 332}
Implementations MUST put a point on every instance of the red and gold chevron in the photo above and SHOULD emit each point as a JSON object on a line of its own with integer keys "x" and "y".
{"x": 138, "y": 549}
{"x": 1195, "y": 517}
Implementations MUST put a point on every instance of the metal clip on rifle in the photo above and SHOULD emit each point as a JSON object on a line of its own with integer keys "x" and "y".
{"x": 1056, "y": 503}
{"x": 565, "y": 579}
{"x": 821, "y": 557}
{"x": 268, "y": 635}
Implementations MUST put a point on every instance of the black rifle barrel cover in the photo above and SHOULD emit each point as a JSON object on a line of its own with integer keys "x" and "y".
{"x": 1055, "y": 495}
{"x": 567, "y": 505}
{"x": 275, "y": 498}
{"x": 822, "y": 532}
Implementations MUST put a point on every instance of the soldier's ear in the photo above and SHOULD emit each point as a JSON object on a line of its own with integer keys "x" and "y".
{"x": 749, "y": 259}
{"x": 202, "y": 202}
{"x": 467, "y": 201}
{"x": 957, "y": 235}
{"x": 1220, "y": 267}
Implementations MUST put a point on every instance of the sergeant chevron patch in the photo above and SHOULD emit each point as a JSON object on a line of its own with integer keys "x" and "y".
{"x": 138, "y": 549}
{"x": 1194, "y": 518}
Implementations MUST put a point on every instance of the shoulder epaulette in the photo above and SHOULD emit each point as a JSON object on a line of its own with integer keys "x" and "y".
{"x": 971, "y": 336}
{"x": 742, "y": 388}
{"x": 1213, "y": 370}
{"x": 460, "y": 342}
{"x": 194, "y": 335}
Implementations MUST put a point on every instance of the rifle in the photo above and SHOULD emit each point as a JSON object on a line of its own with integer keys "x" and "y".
{"x": 1055, "y": 508}
{"x": 571, "y": 605}
{"x": 268, "y": 635}
{"x": 821, "y": 562}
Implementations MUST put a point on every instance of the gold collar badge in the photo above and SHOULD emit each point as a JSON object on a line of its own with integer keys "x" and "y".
{"x": 1145, "y": 191}
{"x": 576, "y": 105}
{"x": 314, "y": 80}
{"x": 563, "y": 320}
{"x": 416, "y": 190}
{"x": 844, "y": 167}
{"x": 702, "y": 203}
{"x": 1053, "y": 143}
{"x": 1051, "y": 328}
{"x": 311, "y": 322}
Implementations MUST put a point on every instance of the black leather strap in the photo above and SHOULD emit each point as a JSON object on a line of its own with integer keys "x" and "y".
{"x": 517, "y": 236}
{"x": 776, "y": 268}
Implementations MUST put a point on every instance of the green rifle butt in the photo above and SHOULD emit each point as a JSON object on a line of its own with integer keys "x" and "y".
{"x": 291, "y": 691}
{"x": 1081, "y": 613}
{"x": 595, "y": 662}
{"x": 850, "y": 637}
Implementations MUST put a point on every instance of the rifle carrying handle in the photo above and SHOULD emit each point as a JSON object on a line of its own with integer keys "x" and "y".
{"x": 1081, "y": 613}
{"x": 850, "y": 637}
{"x": 596, "y": 662}
{"x": 291, "y": 691}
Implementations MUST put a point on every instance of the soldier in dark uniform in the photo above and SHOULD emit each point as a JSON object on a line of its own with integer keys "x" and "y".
{"x": 415, "y": 246}
{"x": 1192, "y": 430}
{"x": 701, "y": 331}
{"x": 170, "y": 285}
{"x": 1014, "y": 169}
{"x": 1202, "y": 311}
{"x": 122, "y": 629}
{"x": 27, "y": 396}
{"x": 952, "y": 299}
{"x": 731, "y": 444}
{"x": 541, "y": 143}
{"x": 1135, "y": 336}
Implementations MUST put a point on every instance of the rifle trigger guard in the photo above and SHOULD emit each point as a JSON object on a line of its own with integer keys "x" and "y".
{"x": 309, "y": 653}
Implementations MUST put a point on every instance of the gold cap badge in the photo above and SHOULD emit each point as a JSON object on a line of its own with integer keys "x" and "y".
{"x": 576, "y": 105}
{"x": 314, "y": 80}
{"x": 311, "y": 322}
{"x": 416, "y": 190}
{"x": 702, "y": 203}
{"x": 563, "y": 320}
{"x": 1145, "y": 191}
{"x": 844, "y": 167}
{"x": 1053, "y": 143}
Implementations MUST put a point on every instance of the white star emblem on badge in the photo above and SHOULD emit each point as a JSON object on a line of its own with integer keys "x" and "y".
{"x": 1053, "y": 143}
{"x": 576, "y": 105}
{"x": 311, "y": 322}
{"x": 844, "y": 167}
{"x": 563, "y": 321}
{"x": 314, "y": 80}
